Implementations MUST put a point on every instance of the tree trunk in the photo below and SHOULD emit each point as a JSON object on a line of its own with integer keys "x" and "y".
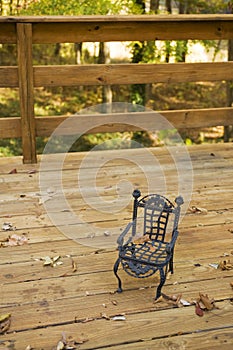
{"x": 154, "y": 6}
{"x": 138, "y": 91}
{"x": 78, "y": 52}
{"x": 181, "y": 46}
{"x": 57, "y": 49}
{"x": 104, "y": 57}
{"x": 169, "y": 6}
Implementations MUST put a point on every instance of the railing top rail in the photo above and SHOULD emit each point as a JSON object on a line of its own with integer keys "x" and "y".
{"x": 118, "y": 18}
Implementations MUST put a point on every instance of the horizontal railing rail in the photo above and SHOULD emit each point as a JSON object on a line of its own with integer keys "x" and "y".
{"x": 26, "y": 31}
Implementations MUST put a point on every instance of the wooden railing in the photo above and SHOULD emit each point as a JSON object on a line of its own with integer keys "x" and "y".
{"x": 26, "y": 31}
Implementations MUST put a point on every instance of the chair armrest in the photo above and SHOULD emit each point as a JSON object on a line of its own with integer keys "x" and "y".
{"x": 120, "y": 239}
{"x": 171, "y": 244}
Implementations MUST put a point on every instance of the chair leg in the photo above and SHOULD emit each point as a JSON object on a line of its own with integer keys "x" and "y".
{"x": 162, "y": 281}
{"x": 115, "y": 269}
{"x": 171, "y": 268}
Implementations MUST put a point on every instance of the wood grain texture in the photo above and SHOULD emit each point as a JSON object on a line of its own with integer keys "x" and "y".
{"x": 29, "y": 30}
{"x": 7, "y": 32}
{"x": 52, "y": 29}
{"x": 9, "y": 77}
{"x": 109, "y": 74}
{"x": 190, "y": 118}
{"x": 26, "y": 93}
{"x": 47, "y": 302}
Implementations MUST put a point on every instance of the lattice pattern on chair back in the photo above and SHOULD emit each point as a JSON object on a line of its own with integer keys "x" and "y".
{"x": 156, "y": 216}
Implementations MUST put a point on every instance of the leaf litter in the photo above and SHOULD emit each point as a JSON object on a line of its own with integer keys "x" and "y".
{"x": 202, "y": 304}
{"x": 198, "y": 210}
{"x": 52, "y": 261}
{"x": 69, "y": 343}
{"x": 14, "y": 240}
{"x": 8, "y": 226}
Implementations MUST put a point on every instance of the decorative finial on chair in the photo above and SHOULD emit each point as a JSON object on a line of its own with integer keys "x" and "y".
{"x": 136, "y": 194}
{"x": 179, "y": 200}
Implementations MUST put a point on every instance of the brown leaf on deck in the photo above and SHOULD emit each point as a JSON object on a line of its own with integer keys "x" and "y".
{"x": 226, "y": 265}
{"x": 13, "y": 171}
{"x": 203, "y": 303}
{"x": 74, "y": 265}
{"x": 5, "y": 322}
{"x": 174, "y": 299}
{"x": 143, "y": 239}
{"x": 15, "y": 240}
{"x": 103, "y": 315}
{"x": 198, "y": 310}
{"x": 69, "y": 343}
{"x": 197, "y": 210}
{"x": 208, "y": 303}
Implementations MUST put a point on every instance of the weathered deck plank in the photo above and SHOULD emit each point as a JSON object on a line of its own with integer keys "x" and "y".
{"x": 45, "y": 302}
{"x": 136, "y": 327}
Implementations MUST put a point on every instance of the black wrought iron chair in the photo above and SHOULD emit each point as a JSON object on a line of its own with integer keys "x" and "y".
{"x": 142, "y": 257}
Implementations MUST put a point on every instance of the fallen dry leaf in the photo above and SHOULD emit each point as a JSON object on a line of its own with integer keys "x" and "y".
{"x": 52, "y": 261}
{"x": 173, "y": 299}
{"x": 7, "y": 226}
{"x": 198, "y": 210}
{"x": 13, "y": 171}
{"x": 185, "y": 302}
{"x": 103, "y": 315}
{"x": 208, "y": 304}
{"x": 74, "y": 265}
{"x": 29, "y": 347}
{"x": 60, "y": 345}
{"x": 14, "y": 240}
{"x": 226, "y": 265}
{"x": 198, "y": 310}
{"x": 203, "y": 303}
{"x": 32, "y": 171}
{"x": 5, "y": 321}
{"x": 69, "y": 343}
{"x": 118, "y": 318}
{"x": 143, "y": 239}
{"x": 214, "y": 265}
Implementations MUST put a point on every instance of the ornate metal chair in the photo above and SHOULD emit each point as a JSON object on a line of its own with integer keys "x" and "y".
{"x": 153, "y": 251}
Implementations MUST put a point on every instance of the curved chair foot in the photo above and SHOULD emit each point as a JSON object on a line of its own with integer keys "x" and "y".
{"x": 115, "y": 269}
{"x": 162, "y": 281}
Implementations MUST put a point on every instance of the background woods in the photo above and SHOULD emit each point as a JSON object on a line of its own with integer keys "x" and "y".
{"x": 158, "y": 96}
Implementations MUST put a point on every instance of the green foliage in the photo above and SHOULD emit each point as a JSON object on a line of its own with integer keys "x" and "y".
{"x": 11, "y": 147}
{"x": 84, "y": 7}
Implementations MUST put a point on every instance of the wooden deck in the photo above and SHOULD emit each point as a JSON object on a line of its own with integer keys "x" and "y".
{"x": 76, "y": 300}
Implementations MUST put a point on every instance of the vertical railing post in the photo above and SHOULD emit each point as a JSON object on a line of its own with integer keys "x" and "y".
{"x": 26, "y": 91}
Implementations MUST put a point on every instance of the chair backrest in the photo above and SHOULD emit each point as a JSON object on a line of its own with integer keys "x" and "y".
{"x": 158, "y": 212}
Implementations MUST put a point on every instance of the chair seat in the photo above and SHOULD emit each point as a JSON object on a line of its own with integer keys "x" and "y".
{"x": 152, "y": 253}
